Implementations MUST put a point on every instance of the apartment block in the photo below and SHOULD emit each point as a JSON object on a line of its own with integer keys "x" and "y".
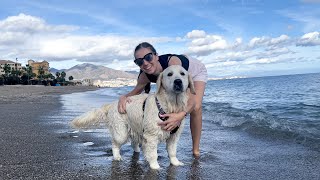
{"x": 13, "y": 65}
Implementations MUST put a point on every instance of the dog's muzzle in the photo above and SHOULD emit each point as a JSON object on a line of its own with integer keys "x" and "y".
{"x": 177, "y": 85}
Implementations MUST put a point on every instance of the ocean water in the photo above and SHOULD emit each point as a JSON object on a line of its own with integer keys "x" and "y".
{"x": 253, "y": 128}
{"x": 281, "y": 107}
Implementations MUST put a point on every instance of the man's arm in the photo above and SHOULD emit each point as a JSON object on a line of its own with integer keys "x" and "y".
{"x": 141, "y": 82}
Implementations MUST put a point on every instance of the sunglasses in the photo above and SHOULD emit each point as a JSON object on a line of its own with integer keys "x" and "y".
{"x": 148, "y": 57}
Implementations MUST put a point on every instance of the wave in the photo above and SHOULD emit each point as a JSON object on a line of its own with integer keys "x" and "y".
{"x": 266, "y": 123}
{"x": 308, "y": 105}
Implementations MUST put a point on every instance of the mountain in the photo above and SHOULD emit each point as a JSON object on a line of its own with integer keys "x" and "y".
{"x": 54, "y": 70}
{"x": 94, "y": 72}
{"x": 133, "y": 72}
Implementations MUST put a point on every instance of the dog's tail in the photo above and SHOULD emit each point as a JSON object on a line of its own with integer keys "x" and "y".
{"x": 92, "y": 118}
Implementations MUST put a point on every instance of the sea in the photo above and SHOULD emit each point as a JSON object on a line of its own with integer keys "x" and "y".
{"x": 285, "y": 107}
{"x": 262, "y": 125}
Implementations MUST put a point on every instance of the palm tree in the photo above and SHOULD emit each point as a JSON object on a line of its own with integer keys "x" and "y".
{"x": 29, "y": 72}
{"x": 7, "y": 70}
{"x": 63, "y": 75}
{"x": 41, "y": 73}
{"x": 58, "y": 74}
{"x": 50, "y": 76}
{"x": 16, "y": 75}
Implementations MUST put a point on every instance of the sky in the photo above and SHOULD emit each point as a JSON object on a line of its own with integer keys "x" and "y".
{"x": 231, "y": 37}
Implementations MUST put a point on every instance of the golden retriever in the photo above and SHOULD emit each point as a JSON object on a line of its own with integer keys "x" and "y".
{"x": 140, "y": 126}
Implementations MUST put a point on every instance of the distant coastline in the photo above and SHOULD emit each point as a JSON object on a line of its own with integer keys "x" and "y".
{"x": 243, "y": 77}
{"x": 223, "y": 78}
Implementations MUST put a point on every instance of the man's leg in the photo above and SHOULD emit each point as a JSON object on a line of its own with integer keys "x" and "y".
{"x": 196, "y": 117}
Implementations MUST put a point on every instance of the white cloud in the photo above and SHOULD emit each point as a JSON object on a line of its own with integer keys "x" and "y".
{"x": 260, "y": 61}
{"x": 196, "y": 34}
{"x": 29, "y": 37}
{"x": 237, "y": 43}
{"x": 203, "y": 44}
{"x": 26, "y": 37}
{"x": 234, "y": 56}
{"x": 267, "y": 41}
{"x": 274, "y": 52}
{"x": 309, "y": 39}
{"x": 30, "y": 25}
{"x": 279, "y": 40}
{"x": 256, "y": 41}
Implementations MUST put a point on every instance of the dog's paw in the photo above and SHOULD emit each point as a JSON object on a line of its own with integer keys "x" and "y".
{"x": 117, "y": 158}
{"x": 174, "y": 161}
{"x": 154, "y": 165}
{"x": 136, "y": 149}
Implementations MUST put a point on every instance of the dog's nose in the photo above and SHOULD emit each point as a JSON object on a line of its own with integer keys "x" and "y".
{"x": 177, "y": 82}
{"x": 177, "y": 85}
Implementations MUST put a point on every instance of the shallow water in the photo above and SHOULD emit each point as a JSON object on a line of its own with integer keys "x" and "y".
{"x": 226, "y": 152}
{"x": 281, "y": 107}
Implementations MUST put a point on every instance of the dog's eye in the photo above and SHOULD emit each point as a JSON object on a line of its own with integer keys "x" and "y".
{"x": 182, "y": 73}
{"x": 170, "y": 74}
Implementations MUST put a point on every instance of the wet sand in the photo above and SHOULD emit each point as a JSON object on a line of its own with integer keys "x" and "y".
{"x": 38, "y": 143}
{"x": 29, "y": 148}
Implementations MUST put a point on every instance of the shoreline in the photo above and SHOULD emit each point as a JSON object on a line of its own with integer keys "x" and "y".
{"x": 30, "y": 146}
{"x": 38, "y": 143}
{"x": 32, "y": 93}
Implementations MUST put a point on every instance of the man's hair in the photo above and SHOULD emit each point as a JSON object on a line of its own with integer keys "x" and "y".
{"x": 145, "y": 45}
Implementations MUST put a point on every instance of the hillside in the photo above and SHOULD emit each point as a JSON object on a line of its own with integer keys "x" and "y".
{"x": 94, "y": 72}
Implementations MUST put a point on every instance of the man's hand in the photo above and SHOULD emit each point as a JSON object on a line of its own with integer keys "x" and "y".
{"x": 123, "y": 100}
{"x": 173, "y": 121}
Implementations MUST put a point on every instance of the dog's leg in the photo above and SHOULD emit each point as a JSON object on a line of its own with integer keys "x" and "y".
{"x": 172, "y": 150}
{"x": 116, "y": 150}
{"x": 135, "y": 146}
{"x": 119, "y": 137}
{"x": 149, "y": 147}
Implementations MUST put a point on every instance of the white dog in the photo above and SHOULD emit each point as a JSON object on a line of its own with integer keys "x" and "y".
{"x": 140, "y": 122}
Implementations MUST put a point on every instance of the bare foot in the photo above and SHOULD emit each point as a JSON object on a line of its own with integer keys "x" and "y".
{"x": 196, "y": 153}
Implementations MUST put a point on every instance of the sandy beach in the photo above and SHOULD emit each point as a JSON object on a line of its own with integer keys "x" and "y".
{"x": 36, "y": 93}
{"x": 38, "y": 143}
{"x": 29, "y": 149}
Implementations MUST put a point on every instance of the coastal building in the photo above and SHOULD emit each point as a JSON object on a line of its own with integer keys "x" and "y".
{"x": 119, "y": 82}
{"x": 13, "y": 65}
{"x": 87, "y": 82}
{"x": 38, "y": 65}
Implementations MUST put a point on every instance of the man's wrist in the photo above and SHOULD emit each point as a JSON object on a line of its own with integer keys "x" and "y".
{"x": 185, "y": 113}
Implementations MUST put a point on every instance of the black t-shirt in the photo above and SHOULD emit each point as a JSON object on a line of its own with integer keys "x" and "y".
{"x": 164, "y": 61}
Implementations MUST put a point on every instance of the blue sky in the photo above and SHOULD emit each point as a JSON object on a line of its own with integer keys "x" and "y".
{"x": 231, "y": 37}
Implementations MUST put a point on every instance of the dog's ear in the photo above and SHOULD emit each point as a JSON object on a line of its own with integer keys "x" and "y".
{"x": 191, "y": 85}
{"x": 159, "y": 83}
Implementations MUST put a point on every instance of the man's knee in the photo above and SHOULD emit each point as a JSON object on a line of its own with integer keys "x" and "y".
{"x": 197, "y": 108}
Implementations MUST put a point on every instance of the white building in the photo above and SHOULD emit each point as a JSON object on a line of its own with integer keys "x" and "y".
{"x": 119, "y": 82}
{"x": 13, "y": 65}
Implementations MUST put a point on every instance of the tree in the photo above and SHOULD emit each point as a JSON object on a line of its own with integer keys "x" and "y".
{"x": 70, "y": 78}
{"x": 7, "y": 69}
{"x": 29, "y": 72}
{"x": 57, "y": 74}
{"x": 41, "y": 73}
{"x": 50, "y": 76}
{"x": 63, "y": 75}
{"x": 15, "y": 76}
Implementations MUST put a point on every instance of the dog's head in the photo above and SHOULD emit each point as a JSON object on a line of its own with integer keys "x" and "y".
{"x": 175, "y": 79}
